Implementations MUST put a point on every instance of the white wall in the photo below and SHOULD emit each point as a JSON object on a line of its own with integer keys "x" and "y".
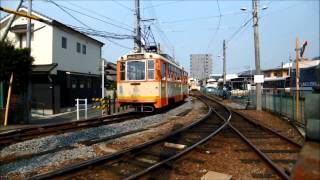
{"x": 41, "y": 41}
{"x": 69, "y": 59}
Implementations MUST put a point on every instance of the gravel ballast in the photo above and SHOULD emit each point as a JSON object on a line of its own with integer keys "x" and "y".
{"x": 48, "y": 143}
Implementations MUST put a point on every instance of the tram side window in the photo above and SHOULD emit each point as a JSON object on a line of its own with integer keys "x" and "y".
{"x": 122, "y": 70}
{"x": 163, "y": 71}
{"x": 150, "y": 69}
{"x": 170, "y": 71}
{"x": 136, "y": 70}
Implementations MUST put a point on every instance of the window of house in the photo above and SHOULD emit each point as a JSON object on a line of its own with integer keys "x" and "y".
{"x": 81, "y": 83}
{"x": 89, "y": 83}
{"x": 150, "y": 69}
{"x": 73, "y": 83}
{"x": 78, "y": 47}
{"x": 84, "y": 49}
{"x": 64, "y": 42}
{"x": 122, "y": 70}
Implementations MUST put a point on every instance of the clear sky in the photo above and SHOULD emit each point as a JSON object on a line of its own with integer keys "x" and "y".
{"x": 192, "y": 26}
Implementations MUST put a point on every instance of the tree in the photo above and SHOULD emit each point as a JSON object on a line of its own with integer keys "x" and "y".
{"x": 17, "y": 61}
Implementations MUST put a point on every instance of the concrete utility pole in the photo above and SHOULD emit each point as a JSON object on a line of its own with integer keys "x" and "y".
{"x": 137, "y": 29}
{"x": 224, "y": 63}
{"x": 297, "y": 79}
{"x": 29, "y": 24}
{"x": 5, "y": 33}
{"x": 102, "y": 78}
{"x": 257, "y": 52}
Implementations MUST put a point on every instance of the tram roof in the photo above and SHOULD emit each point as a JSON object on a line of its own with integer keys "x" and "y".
{"x": 137, "y": 56}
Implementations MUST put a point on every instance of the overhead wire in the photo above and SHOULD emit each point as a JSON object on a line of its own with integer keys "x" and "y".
{"x": 101, "y": 33}
{"x": 115, "y": 25}
{"x": 122, "y": 5}
{"x": 217, "y": 29}
{"x": 57, "y": 5}
{"x": 160, "y": 4}
{"x": 203, "y": 17}
{"x": 107, "y": 38}
{"x": 161, "y": 33}
{"x": 96, "y": 13}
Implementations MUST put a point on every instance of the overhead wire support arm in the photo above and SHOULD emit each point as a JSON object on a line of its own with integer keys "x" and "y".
{"x": 10, "y": 22}
{"x": 23, "y": 14}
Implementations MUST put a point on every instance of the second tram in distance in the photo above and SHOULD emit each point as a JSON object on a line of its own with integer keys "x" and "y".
{"x": 150, "y": 80}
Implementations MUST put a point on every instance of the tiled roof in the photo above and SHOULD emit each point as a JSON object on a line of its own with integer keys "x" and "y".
{"x": 45, "y": 68}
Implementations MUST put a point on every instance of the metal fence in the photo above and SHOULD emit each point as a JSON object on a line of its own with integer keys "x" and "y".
{"x": 284, "y": 104}
{"x": 278, "y": 102}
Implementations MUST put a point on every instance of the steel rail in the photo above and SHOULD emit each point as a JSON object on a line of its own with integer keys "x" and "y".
{"x": 86, "y": 163}
{"x": 270, "y": 162}
{"x": 36, "y": 127}
{"x": 28, "y": 133}
{"x": 184, "y": 151}
{"x": 24, "y": 133}
{"x": 269, "y": 129}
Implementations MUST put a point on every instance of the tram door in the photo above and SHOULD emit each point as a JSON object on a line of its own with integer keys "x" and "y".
{"x": 163, "y": 84}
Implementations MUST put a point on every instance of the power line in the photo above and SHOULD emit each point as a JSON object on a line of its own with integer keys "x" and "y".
{"x": 105, "y": 34}
{"x": 161, "y": 33}
{"x": 160, "y": 4}
{"x": 239, "y": 29}
{"x": 218, "y": 26}
{"x": 120, "y": 45}
{"x": 203, "y": 17}
{"x": 107, "y": 38}
{"x": 68, "y": 13}
{"x": 96, "y": 13}
{"x": 64, "y": 7}
{"x": 125, "y": 7}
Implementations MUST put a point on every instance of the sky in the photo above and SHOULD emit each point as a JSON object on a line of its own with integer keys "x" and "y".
{"x": 185, "y": 27}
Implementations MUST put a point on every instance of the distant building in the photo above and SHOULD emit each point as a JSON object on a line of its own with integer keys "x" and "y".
{"x": 66, "y": 63}
{"x": 276, "y": 72}
{"x": 309, "y": 76}
{"x": 200, "y": 66}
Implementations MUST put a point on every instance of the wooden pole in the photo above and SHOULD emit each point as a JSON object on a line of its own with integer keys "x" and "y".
{"x": 297, "y": 80}
{"x": 8, "y": 100}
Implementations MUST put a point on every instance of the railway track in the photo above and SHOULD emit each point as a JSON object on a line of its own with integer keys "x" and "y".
{"x": 277, "y": 150}
{"x": 22, "y": 134}
{"x": 138, "y": 160}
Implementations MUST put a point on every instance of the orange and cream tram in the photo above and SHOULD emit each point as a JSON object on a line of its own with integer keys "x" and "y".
{"x": 150, "y": 80}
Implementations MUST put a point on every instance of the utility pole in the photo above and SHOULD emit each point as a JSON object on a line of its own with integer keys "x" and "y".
{"x": 297, "y": 79}
{"x": 224, "y": 63}
{"x": 29, "y": 90}
{"x": 3, "y": 37}
{"x": 29, "y": 24}
{"x": 257, "y": 53}
{"x": 102, "y": 78}
{"x": 5, "y": 33}
{"x": 137, "y": 29}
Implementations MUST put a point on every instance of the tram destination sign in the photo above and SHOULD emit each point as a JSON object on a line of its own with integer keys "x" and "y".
{"x": 135, "y": 56}
{"x": 258, "y": 78}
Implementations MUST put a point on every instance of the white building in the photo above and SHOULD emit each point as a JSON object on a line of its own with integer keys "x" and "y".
{"x": 66, "y": 62}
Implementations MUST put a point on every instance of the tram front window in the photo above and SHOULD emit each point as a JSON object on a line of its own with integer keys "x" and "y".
{"x": 136, "y": 70}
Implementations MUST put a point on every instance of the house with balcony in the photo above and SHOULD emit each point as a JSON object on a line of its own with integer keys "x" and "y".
{"x": 66, "y": 63}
